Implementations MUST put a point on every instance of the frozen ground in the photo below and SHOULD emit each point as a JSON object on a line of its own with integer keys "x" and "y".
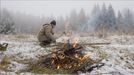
{"x": 119, "y": 55}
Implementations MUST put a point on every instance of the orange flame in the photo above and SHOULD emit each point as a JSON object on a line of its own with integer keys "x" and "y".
{"x": 84, "y": 57}
{"x": 52, "y": 61}
{"x": 58, "y": 66}
{"x": 76, "y": 56}
{"x": 75, "y": 42}
{"x": 70, "y": 66}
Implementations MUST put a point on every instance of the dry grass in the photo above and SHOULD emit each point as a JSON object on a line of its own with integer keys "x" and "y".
{"x": 37, "y": 68}
{"x": 19, "y": 37}
{"x": 4, "y": 64}
{"x": 102, "y": 54}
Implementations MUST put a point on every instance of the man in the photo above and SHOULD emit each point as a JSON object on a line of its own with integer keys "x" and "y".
{"x": 45, "y": 36}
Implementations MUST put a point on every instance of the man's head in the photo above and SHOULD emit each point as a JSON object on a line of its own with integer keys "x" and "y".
{"x": 53, "y": 23}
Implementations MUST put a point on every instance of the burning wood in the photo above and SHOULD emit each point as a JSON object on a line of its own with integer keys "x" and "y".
{"x": 68, "y": 56}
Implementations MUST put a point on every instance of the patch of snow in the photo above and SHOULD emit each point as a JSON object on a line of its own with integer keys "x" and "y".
{"x": 120, "y": 60}
{"x": 14, "y": 66}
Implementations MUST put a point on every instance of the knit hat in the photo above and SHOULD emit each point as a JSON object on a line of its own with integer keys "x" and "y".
{"x": 53, "y": 22}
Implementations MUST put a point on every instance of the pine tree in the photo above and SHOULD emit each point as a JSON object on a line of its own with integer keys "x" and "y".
{"x": 6, "y": 22}
{"x": 82, "y": 17}
{"x": 120, "y": 21}
{"x": 128, "y": 21}
{"x": 82, "y": 20}
{"x": 128, "y": 18}
{"x": 111, "y": 19}
{"x": 95, "y": 17}
{"x": 103, "y": 16}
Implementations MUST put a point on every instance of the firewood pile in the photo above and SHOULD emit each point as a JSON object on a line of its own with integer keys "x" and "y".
{"x": 70, "y": 56}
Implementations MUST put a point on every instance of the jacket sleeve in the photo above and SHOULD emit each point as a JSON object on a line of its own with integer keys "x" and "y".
{"x": 49, "y": 33}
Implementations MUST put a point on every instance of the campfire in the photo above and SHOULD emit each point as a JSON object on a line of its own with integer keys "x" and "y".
{"x": 68, "y": 56}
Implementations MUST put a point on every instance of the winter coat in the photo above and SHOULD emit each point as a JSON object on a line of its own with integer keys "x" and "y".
{"x": 46, "y": 33}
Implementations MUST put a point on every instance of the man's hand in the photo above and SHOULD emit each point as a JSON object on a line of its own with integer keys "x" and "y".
{"x": 52, "y": 33}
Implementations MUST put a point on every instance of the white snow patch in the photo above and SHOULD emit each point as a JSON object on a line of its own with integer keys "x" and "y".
{"x": 120, "y": 53}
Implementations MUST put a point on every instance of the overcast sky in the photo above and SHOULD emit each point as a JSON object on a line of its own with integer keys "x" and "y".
{"x": 59, "y": 7}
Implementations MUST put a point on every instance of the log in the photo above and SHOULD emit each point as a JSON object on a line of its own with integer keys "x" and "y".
{"x": 59, "y": 43}
{"x": 85, "y": 43}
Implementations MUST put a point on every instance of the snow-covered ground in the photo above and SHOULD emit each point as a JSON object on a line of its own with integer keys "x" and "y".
{"x": 119, "y": 59}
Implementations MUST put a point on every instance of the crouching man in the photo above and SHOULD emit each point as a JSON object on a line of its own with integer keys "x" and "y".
{"x": 46, "y": 34}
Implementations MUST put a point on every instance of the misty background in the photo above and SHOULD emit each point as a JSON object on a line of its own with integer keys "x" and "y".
{"x": 21, "y": 16}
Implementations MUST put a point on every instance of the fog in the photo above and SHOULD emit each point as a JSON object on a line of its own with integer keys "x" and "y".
{"x": 27, "y": 16}
{"x": 60, "y": 7}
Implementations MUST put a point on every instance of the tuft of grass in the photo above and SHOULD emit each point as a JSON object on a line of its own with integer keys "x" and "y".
{"x": 21, "y": 36}
{"x": 4, "y": 64}
{"x": 102, "y": 54}
{"x": 42, "y": 70}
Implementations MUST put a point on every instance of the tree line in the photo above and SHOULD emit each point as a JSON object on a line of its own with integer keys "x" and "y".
{"x": 100, "y": 19}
